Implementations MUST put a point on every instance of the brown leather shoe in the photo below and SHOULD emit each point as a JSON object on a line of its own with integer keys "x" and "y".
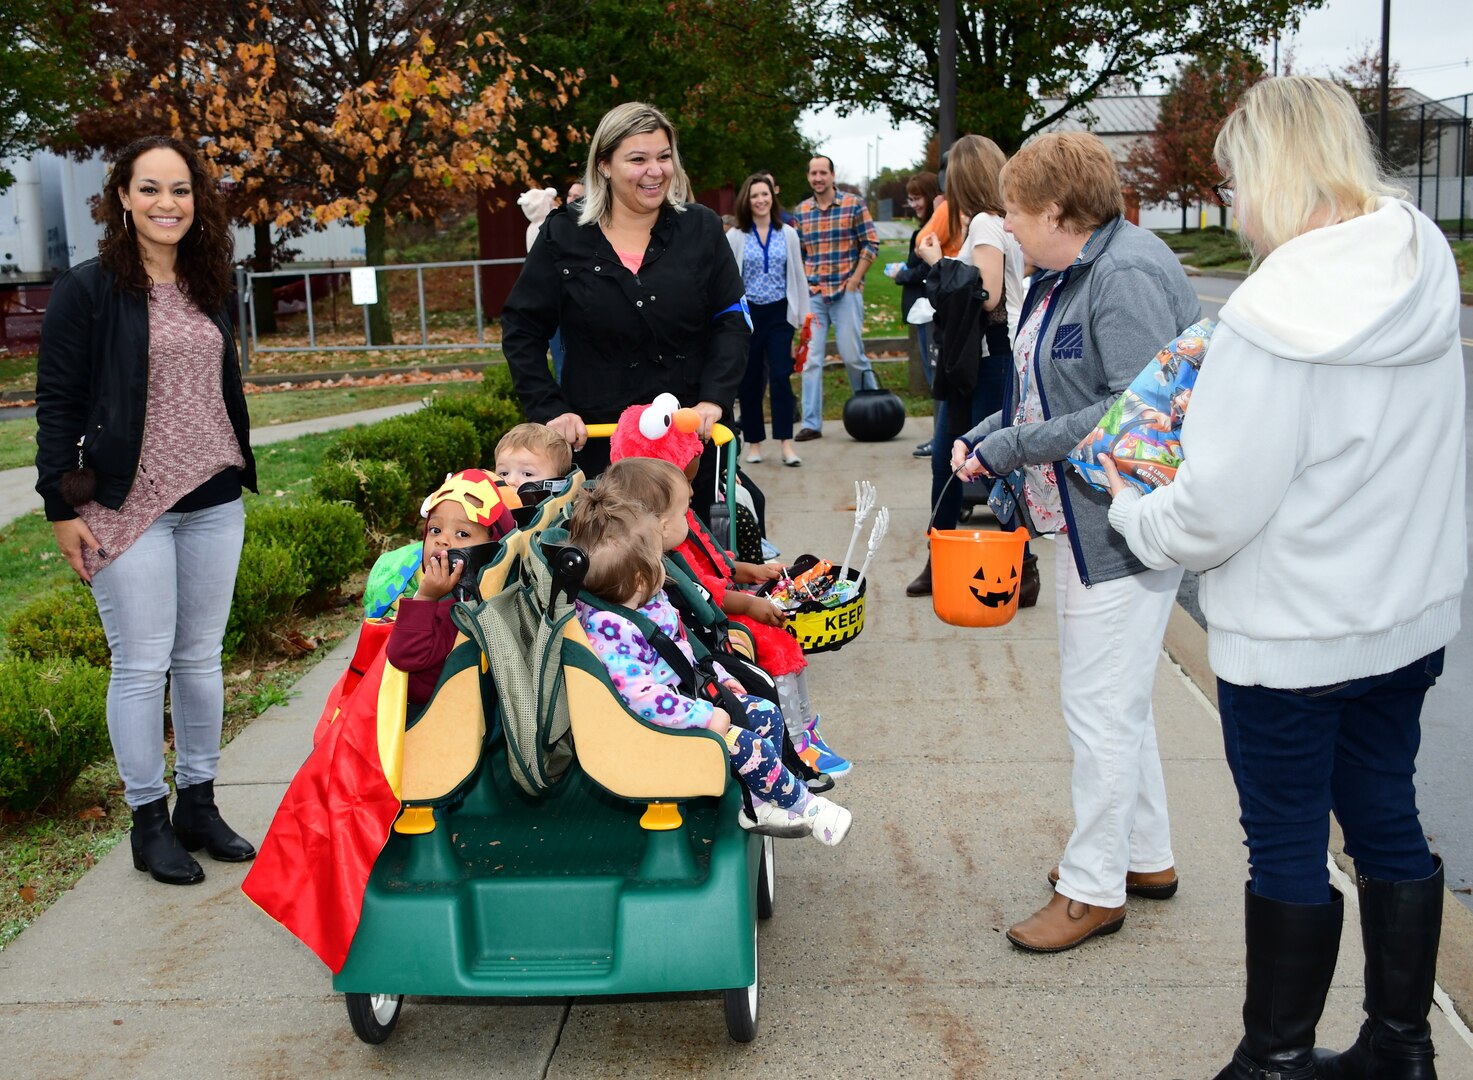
{"x": 1029, "y": 585}
{"x": 807, "y": 435}
{"x": 1063, "y": 923}
{"x": 921, "y": 586}
{"x": 1158, "y": 885}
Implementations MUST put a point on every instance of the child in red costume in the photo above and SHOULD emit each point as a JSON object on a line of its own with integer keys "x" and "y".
{"x": 472, "y": 507}
{"x": 777, "y": 650}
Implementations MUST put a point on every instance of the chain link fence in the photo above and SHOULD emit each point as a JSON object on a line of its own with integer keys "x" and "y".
{"x": 1429, "y": 151}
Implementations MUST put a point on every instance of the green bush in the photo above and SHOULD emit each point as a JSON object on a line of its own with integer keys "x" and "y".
{"x": 60, "y": 624}
{"x": 491, "y": 416}
{"x": 425, "y": 444}
{"x": 267, "y": 587}
{"x": 53, "y": 724}
{"x": 496, "y": 382}
{"x": 326, "y": 540}
{"x": 378, "y": 489}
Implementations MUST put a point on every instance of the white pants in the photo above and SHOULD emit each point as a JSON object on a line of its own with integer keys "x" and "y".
{"x": 1109, "y": 643}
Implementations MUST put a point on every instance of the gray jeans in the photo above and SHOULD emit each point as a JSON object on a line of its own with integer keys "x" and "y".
{"x": 164, "y": 604}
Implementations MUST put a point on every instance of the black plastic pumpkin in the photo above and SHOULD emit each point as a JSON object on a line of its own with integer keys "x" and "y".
{"x": 874, "y": 414}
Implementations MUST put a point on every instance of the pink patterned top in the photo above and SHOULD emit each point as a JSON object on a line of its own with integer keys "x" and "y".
{"x": 1040, "y": 486}
{"x": 187, "y": 437}
{"x": 648, "y": 685}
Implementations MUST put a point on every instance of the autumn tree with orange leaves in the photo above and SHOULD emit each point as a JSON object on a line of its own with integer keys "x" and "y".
{"x": 365, "y": 110}
{"x": 1173, "y": 165}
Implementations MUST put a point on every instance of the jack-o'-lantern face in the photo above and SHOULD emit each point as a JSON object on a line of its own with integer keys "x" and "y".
{"x": 994, "y": 589}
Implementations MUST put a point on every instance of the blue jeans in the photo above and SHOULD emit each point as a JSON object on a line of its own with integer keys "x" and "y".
{"x": 845, "y": 313}
{"x": 164, "y": 604}
{"x": 986, "y": 400}
{"x": 558, "y": 353}
{"x": 1351, "y": 748}
{"x": 769, "y": 361}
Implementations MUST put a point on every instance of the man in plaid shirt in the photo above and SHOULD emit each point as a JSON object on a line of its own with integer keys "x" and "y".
{"x": 839, "y": 244}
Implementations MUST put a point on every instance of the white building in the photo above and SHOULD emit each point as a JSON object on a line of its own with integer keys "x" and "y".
{"x": 46, "y": 222}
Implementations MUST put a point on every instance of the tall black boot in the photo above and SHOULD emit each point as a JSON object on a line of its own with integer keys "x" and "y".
{"x": 156, "y": 848}
{"x": 1401, "y": 924}
{"x": 1292, "y": 950}
{"x": 198, "y": 825}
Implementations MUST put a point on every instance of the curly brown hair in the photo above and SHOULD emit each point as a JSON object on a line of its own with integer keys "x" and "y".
{"x": 205, "y": 269}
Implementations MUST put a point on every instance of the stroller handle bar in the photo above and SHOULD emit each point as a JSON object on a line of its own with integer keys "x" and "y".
{"x": 720, "y": 433}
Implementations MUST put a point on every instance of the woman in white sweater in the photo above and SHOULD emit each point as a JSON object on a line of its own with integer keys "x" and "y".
{"x": 1322, "y": 497}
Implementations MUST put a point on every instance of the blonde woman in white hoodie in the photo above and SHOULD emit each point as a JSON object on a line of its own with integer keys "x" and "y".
{"x": 1322, "y": 497}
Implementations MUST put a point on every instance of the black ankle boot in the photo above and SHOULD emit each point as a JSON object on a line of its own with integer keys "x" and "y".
{"x": 198, "y": 825}
{"x": 1400, "y": 924}
{"x": 157, "y": 850}
{"x": 1028, "y": 587}
{"x": 1291, "y": 958}
{"x": 921, "y": 586}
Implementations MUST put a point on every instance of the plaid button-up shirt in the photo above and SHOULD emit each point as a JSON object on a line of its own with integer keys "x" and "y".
{"x": 834, "y": 239}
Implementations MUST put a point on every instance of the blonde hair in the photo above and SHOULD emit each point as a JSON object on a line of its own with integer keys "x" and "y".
{"x": 541, "y": 440}
{"x": 618, "y": 124}
{"x": 652, "y": 483}
{"x": 622, "y": 541}
{"x": 1071, "y": 168}
{"x": 972, "y": 180}
{"x": 1297, "y": 148}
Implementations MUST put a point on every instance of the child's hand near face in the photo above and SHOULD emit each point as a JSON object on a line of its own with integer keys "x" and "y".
{"x": 438, "y": 578}
{"x": 756, "y": 573}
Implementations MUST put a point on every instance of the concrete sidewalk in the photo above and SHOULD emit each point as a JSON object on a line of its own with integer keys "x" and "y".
{"x": 886, "y": 956}
{"x": 18, "y": 486}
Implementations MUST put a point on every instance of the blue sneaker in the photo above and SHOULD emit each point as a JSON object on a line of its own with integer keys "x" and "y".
{"x": 821, "y": 758}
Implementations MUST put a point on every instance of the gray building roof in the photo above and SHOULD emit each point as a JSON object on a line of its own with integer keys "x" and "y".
{"x": 1133, "y": 114}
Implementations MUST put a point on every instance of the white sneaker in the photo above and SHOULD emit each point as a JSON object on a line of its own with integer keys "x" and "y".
{"x": 754, "y": 455}
{"x": 773, "y": 820}
{"x": 830, "y": 821}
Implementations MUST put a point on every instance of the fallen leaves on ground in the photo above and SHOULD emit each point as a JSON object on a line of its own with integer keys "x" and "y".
{"x": 397, "y": 378}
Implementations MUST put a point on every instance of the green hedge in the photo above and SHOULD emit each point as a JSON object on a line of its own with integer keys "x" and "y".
{"x": 379, "y": 490}
{"x": 268, "y": 587}
{"x": 425, "y": 444}
{"x": 491, "y": 417}
{"x": 61, "y": 624}
{"x": 53, "y": 724}
{"x": 325, "y": 539}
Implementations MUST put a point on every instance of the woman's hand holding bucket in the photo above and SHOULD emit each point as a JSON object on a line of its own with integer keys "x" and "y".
{"x": 965, "y": 462}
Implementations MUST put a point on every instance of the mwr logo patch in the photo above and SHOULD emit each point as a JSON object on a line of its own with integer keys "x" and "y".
{"x": 1069, "y": 342}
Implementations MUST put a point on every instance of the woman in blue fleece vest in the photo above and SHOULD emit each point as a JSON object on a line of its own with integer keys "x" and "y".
{"x": 1107, "y": 295}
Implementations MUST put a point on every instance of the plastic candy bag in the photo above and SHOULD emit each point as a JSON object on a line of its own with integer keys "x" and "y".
{"x": 1142, "y": 430}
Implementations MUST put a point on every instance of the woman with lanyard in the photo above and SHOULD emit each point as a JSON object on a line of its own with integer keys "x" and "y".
{"x": 142, "y": 448}
{"x": 1106, "y": 296}
{"x": 777, "y": 293}
{"x": 643, "y": 285}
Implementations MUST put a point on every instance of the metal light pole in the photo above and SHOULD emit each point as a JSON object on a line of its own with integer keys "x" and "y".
{"x": 1383, "y": 121}
{"x": 946, "y": 77}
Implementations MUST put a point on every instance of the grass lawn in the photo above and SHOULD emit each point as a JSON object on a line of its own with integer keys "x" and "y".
{"x": 42, "y": 855}
{"x": 18, "y": 372}
{"x": 1211, "y": 248}
{"x": 1463, "y": 252}
{"x": 836, "y": 390}
{"x": 18, "y": 437}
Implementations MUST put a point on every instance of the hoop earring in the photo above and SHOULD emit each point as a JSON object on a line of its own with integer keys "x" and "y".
{"x": 128, "y": 222}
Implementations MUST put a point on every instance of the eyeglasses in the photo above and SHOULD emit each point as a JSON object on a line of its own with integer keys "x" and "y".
{"x": 1224, "y": 191}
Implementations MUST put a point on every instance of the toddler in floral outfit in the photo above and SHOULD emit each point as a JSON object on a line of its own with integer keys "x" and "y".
{"x": 623, "y": 544}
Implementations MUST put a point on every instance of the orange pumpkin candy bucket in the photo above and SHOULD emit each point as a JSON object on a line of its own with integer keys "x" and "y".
{"x": 975, "y": 575}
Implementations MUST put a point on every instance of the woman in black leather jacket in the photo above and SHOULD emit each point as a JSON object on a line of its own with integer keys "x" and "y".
{"x": 645, "y": 289}
{"x": 142, "y": 449}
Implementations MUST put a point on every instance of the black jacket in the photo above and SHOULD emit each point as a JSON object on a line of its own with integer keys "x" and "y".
{"x": 92, "y": 384}
{"x": 628, "y": 338}
{"x": 912, "y": 278}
